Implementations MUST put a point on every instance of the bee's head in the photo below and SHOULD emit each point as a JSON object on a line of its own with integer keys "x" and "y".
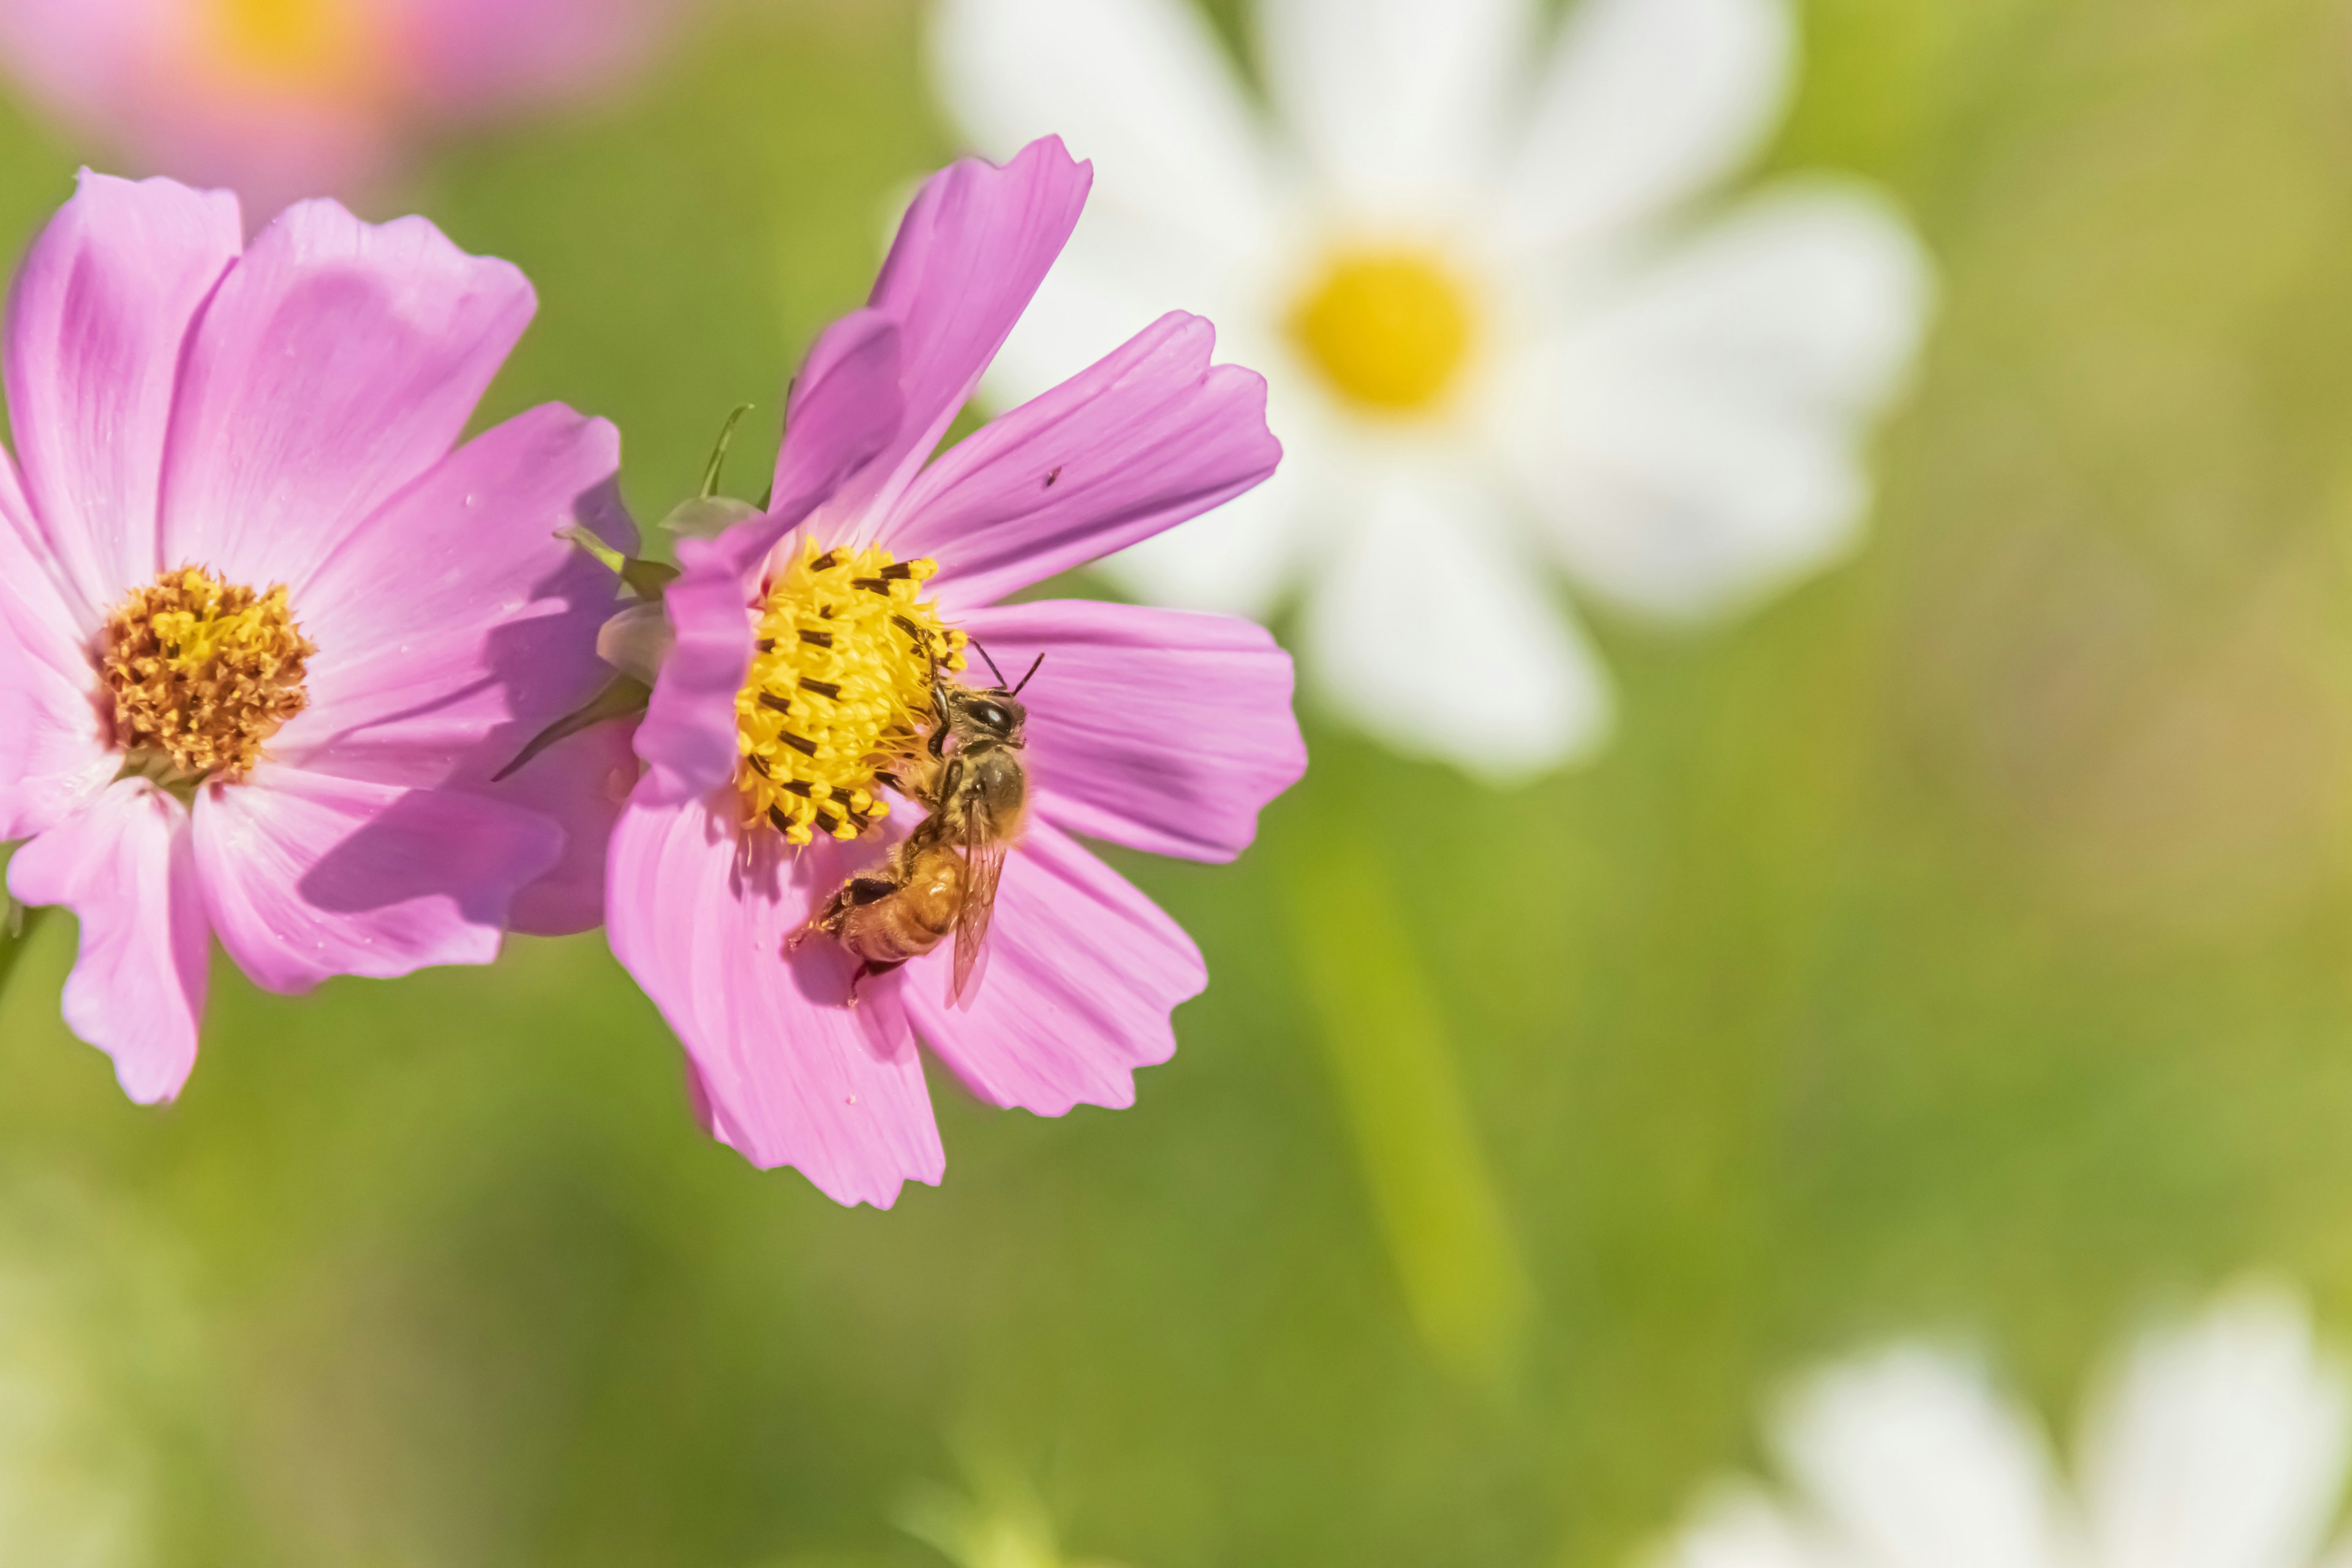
{"x": 994, "y": 713}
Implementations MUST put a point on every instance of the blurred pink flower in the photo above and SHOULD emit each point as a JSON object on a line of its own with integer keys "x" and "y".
{"x": 1161, "y": 729}
{"x": 283, "y": 98}
{"x": 264, "y": 635}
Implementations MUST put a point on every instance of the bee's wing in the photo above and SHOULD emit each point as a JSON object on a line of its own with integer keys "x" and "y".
{"x": 984, "y": 868}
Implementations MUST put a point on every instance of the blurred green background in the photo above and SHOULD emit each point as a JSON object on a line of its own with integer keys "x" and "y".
{"x": 1965, "y": 940}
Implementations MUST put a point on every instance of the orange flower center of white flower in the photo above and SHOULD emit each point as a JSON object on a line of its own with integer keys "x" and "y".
{"x": 202, "y": 673}
{"x": 840, "y": 687}
{"x": 1389, "y": 329}
{"x": 287, "y": 47}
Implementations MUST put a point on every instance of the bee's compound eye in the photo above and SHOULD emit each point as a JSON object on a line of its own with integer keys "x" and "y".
{"x": 993, "y": 716}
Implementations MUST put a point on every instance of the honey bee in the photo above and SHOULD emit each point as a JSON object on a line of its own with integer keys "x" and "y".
{"x": 943, "y": 877}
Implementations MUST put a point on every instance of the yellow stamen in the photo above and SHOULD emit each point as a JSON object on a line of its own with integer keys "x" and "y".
{"x": 202, "y": 673}
{"x": 840, "y": 687}
{"x": 1391, "y": 329}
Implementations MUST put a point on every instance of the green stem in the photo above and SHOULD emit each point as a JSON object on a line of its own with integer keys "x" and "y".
{"x": 17, "y": 925}
{"x": 1386, "y": 1043}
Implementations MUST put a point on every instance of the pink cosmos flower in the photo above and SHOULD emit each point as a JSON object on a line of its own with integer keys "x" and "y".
{"x": 797, "y": 652}
{"x": 288, "y": 98}
{"x": 264, "y": 635}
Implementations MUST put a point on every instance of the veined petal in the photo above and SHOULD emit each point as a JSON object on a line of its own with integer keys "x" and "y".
{"x": 1646, "y": 104}
{"x": 1152, "y": 435}
{"x": 970, "y": 253}
{"x": 1401, "y": 103}
{"x": 1161, "y": 729}
{"x": 1435, "y": 635}
{"x": 1082, "y": 973}
{"x": 788, "y": 1076}
{"x": 124, "y": 866}
{"x": 1914, "y": 1462}
{"x": 2222, "y": 1445}
{"x": 844, "y": 411}
{"x": 1237, "y": 559}
{"x": 1140, "y": 85}
{"x": 1700, "y": 438}
{"x": 308, "y": 875}
{"x": 455, "y": 624}
{"x": 97, "y": 319}
{"x": 53, "y": 748}
{"x": 336, "y": 364}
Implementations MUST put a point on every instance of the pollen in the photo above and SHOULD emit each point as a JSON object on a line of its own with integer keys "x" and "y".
{"x": 1391, "y": 330}
{"x": 202, "y": 674}
{"x": 840, "y": 689}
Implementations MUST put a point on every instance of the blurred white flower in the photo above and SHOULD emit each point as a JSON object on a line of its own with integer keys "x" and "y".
{"x": 1496, "y": 328}
{"x": 2222, "y": 1444}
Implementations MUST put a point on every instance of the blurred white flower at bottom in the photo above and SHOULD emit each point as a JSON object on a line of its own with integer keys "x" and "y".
{"x": 2218, "y": 1444}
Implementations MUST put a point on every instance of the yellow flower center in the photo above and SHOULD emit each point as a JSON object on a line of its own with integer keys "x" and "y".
{"x": 840, "y": 689}
{"x": 202, "y": 673}
{"x": 1391, "y": 329}
{"x": 282, "y": 47}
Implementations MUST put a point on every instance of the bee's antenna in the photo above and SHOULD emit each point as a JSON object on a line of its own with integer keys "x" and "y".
{"x": 1033, "y": 670}
{"x": 992, "y": 665}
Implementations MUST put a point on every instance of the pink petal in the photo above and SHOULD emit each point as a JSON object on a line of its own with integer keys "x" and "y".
{"x": 581, "y": 782}
{"x": 970, "y": 254}
{"x": 1082, "y": 973}
{"x": 137, "y": 992}
{"x": 55, "y": 753}
{"x": 1161, "y": 729}
{"x": 338, "y": 364}
{"x": 466, "y": 55}
{"x": 96, "y": 322}
{"x": 454, "y": 624}
{"x": 788, "y": 1075}
{"x": 843, "y": 410}
{"x": 308, "y": 875}
{"x": 1150, "y": 435}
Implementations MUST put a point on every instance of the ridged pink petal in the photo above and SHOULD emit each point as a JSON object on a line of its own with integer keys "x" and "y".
{"x": 96, "y": 322}
{"x": 336, "y": 364}
{"x": 454, "y": 624}
{"x": 845, "y": 409}
{"x": 1082, "y": 972}
{"x": 970, "y": 254}
{"x": 1165, "y": 730}
{"x": 582, "y": 783}
{"x": 787, "y": 1074}
{"x": 307, "y": 876}
{"x": 54, "y": 751}
{"x": 137, "y": 992}
{"x": 1147, "y": 436}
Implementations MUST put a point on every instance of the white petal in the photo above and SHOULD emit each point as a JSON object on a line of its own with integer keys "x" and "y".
{"x": 1141, "y": 87}
{"x": 1233, "y": 560}
{"x": 1701, "y": 438}
{"x": 1111, "y": 281}
{"x": 1738, "y": 1527}
{"x": 1432, "y": 632}
{"x": 1398, "y": 101}
{"x": 1646, "y": 103}
{"x": 1915, "y": 1462}
{"x": 2222, "y": 1445}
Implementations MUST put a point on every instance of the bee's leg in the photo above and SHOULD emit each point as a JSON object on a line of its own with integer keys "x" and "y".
{"x": 868, "y": 969}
